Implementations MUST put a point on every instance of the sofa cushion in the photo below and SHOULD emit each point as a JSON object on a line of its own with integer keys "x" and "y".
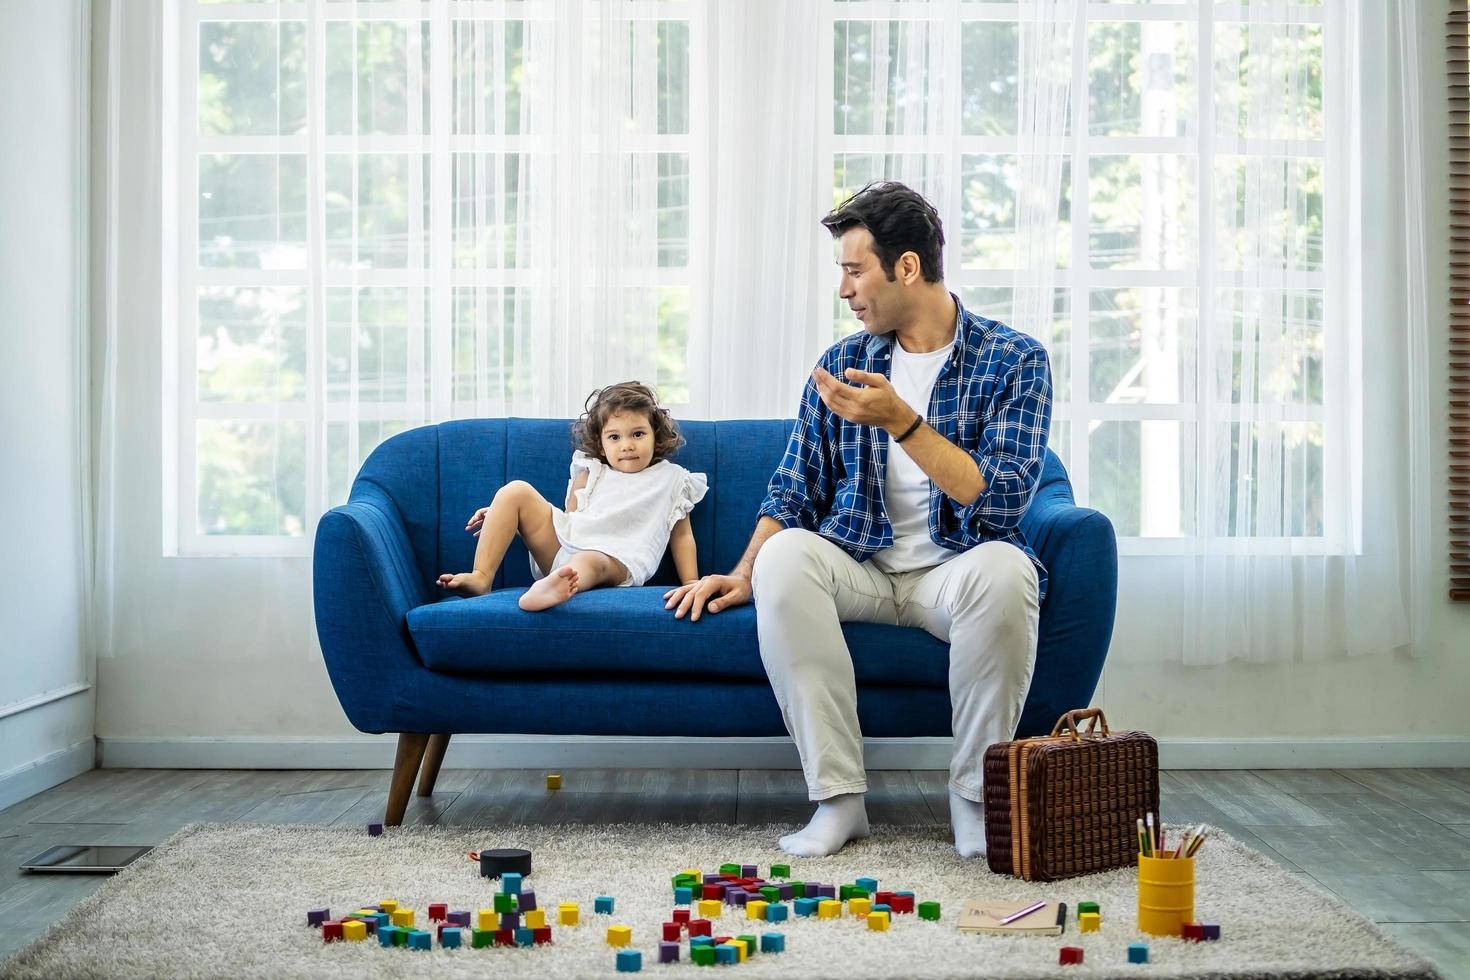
{"x": 628, "y": 632}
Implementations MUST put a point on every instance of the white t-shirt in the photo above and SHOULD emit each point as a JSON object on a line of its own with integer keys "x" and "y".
{"x": 906, "y": 486}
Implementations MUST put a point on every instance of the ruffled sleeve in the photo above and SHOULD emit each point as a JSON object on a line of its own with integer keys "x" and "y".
{"x": 593, "y": 467}
{"x": 690, "y": 490}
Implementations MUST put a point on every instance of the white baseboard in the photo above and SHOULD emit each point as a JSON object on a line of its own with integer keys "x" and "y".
{"x": 573, "y": 751}
{"x": 51, "y": 770}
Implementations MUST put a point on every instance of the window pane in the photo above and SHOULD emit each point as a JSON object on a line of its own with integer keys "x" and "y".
{"x": 1143, "y": 345}
{"x": 491, "y": 357}
{"x": 1269, "y": 212}
{"x": 338, "y": 449}
{"x": 377, "y": 76}
{"x": 252, "y": 210}
{"x": 998, "y": 303}
{"x": 388, "y": 208}
{"x": 488, "y": 74}
{"x": 1276, "y": 340}
{"x": 989, "y": 66}
{"x": 851, "y": 171}
{"x": 1142, "y": 476}
{"x": 389, "y": 369}
{"x": 1274, "y": 486}
{"x": 488, "y": 192}
{"x": 252, "y": 77}
{"x": 673, "y": 209}
{"x": 251, "y": 477}
{"x": 1141, "y": 78}
{"x": 252, "y": 344}
{"x": 881, "y": 70}
{"x": 1268, "y": 80}
{"x": 673, "y": 345}
{"x": 988, "y": 212}
{"x": 673, "y": 76}
{"x": 1142, "y": 211}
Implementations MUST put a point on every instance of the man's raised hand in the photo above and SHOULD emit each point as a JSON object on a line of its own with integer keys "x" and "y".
{"x": 714, "y": 592}
{"x": 876, "y": 403}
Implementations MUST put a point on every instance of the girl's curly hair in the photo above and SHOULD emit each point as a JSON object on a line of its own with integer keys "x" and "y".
{"x": 629, "y": 396}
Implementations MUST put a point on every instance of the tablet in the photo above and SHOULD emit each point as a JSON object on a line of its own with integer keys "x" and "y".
{"x": 86, "y": 858}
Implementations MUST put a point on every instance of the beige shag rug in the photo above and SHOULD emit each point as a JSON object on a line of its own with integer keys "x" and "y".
{"x": 231, "y": 901}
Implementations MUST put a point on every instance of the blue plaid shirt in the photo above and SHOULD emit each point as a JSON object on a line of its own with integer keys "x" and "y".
{"x": 992, "y": 399}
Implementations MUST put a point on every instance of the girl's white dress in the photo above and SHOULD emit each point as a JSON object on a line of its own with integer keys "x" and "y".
{"x": 626, "y": 515}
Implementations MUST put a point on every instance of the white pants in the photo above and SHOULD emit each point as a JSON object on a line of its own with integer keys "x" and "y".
{"x": 983, "y": 603}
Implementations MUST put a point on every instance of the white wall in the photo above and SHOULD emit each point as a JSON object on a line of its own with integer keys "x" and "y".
{"x": 217, "y": 660}
{"x": 46, "y": 703}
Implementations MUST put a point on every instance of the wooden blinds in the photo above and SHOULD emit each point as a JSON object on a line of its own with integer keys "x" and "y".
{"x": 1457, "y": 50}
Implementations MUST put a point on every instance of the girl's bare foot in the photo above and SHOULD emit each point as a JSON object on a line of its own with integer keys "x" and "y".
{"x": 465, "y": 583}
{"x": 552, "y": 590}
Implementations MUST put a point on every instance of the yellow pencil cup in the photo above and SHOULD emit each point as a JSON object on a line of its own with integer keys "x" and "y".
{"x": 1165, "y": 894}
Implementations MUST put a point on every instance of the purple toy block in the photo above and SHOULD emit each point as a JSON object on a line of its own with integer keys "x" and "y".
{"x": 510, "y": 920}
{"x": 668, "y": 952}
{"x": 827, "y": 891}
{"x": 526, "y": 902}
{"x": 315, "y": 917}
{"x": 788, "y": 892}
{"x": 375, "y": 830}
{"x": 460, "y": 918}
{"x": 1212, "y": 931}
{"x": 739, "y": 897}
{"x": 747, "y": 871}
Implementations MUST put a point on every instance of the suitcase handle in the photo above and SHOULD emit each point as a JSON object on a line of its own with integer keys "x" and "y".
{"x": 1071, "y": 718}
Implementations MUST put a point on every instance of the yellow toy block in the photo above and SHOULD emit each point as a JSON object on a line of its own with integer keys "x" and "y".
{"x": 534, "y": 919}
{"x": 567, "y": 913}
{"x": 696, "y": 872}
{"x": 366, "y": 912}
{"x": 1089, "y": 922}
{"x": 710, "y": 908}
{"x": 354, "y": 930}
{"x": 402, "y": 917}
{"x": 619, "y": 935}
{"x": 829, "y": 908}
{"x": 487, "y": 920}
{"x": 878, "y": 921}
{"x": 859, "y": 907}
{"x": 553, "y": 780}
{"x": 388, "y": 905}
{"x": 756, "y": 910}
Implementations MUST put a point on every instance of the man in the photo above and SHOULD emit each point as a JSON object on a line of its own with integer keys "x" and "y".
{"x": 917, "y": 449}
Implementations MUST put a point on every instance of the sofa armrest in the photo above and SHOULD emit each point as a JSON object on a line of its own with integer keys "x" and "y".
{"x": 364, "y": 581}
{"x": 1080, "y": 551}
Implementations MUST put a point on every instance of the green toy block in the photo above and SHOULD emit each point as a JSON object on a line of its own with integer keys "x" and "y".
{"x": 730, "y": 869}
{"x": 771, "y": 893}
{"x": 798, "y": 889}
{"x": 1087, "y": 907}
{"x": 702, "y": 955}
{"x": 505, "y": 903}
{"x": 780, "y": 871}
{"x": 752, "y": 944}
{"x": 481, "y": 938}
{"x": 929, "y": 910}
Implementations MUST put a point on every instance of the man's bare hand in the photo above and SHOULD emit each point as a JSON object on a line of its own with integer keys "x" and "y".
{"x": 876, "y": 403}
{"x": 715, "y": 592}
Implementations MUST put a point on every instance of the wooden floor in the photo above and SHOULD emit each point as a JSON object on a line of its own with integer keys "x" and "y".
{"x": 1393, "y": 843}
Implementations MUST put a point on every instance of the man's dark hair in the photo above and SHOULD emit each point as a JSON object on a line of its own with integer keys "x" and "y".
{"x": 900, "y": 220}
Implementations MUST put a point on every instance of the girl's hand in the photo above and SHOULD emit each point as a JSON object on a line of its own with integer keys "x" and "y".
{"x": 477, "y": 521}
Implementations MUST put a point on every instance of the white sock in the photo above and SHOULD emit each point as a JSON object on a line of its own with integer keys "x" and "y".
{"x": 837, "y": 821}
{"x": 968, "y": 820}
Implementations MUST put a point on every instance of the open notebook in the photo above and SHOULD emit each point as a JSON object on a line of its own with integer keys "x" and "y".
{"x": 984, "y": 917}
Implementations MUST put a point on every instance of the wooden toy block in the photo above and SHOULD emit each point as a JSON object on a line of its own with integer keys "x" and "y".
{"x": 505, "y": 937}
{"x": 885, "y": 909}
{"x": 748, "y": 871}
{"x": 510, "y": 920}
{"x": 480, "y": 938}
{"x": 534, "y": 919}
{"x": 438, "y": 911}
{"x": 825, "y": 891}
{"x": 859, "y": 907}
{"x": 510, "y": 883}
{"x": 683, "y": 895}
{"x": 701, "y": 941}
{"x": 806, "y": 906}
{"x": 400, "y": 936}
{"x": 369, "y": 925}
{"x": 487, "y": 919}
{"x": 773, "y": 942}
{"x": 777, "y": 912}
{"x": 402, "y": 918}
{"x": 883, "y": 898}
{"x": 619, "y": 935}
{"x": 603, "y": 905}
{"x": 525, "y": 937}
{"x": 878, "y": 921}
{"x": 629, "y": 961}
{"x": 525, "y": 901}
{"x": 722, "y": 940}
{"x": 929, "y": 911}
{"x": 673, "y": 931}
{"x": 712, "y": 892}
{"x": 451, "y": 938}
{"x": 387, "y": 936}
{"x": 375, "y": 830}
{"x": 1212, "y": 931}
{"x": 1070, "y": 956}
{"x": 388, "y": 905}
{"x": 331, "y": 930}
{"x": 700, "y": 927}
{"x": 695, "y": 873}
{"x": 1138, "y": 952}
{"x": 681, "y": 916}
{"x": 553, "y": 780}
{"x": 702, "y": 955}
{"x": 1084, "y": 907}
{"x": 737, "y": 897}
{"x": 785, "y": 892}
{"x": 798, "y": 889}
{"x": 730, "y": 869}
{"x": 756, "y": 909}
{"x": 771, "y": 893}
{"x": 461, "y": 917}
{"x": 567, "y": 914}
{"x": 542, "y": 935}
{"x": 668, "y": 952}
{"x": 868, "y": 885}
{"x": 780, "y": 871}
{"x": 1089, "y": 922}
{"x": 505, "y": 903}
{"x": 829, "y": 908}
{"x": 1193, "y": 931}
{"x": 738, "y": 948}
{"x": 315, "y": 917}
{"x": 420, "y": 939}
{"x": 903, "y": 903}
{"x": 844, "y": 892}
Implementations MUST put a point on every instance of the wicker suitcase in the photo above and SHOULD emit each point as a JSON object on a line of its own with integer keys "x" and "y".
{"x": 1068, "y": 804}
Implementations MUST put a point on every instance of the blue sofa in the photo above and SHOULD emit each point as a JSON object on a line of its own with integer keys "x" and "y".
{"x": 404, "y": 658}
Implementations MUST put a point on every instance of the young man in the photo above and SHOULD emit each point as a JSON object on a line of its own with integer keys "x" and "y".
{"x": 917, "y": 449}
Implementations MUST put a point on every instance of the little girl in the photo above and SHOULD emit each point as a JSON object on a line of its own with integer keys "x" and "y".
{"x": 625, "y": 503}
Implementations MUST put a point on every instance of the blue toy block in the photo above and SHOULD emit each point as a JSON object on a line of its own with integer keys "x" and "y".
{"x": 420, "y": 939}
{"x": 450, "y": 938}
{"x": 525, "y": 937}
{"x": 727, "y": 954}
{"x": 510, "y": 883}
{"x": 806, "y": 906}
{"x": 1138, "y": 952}
{"x": 629, "y": 961}
{"x": 603, "y": 905}
{"x": 773, "y": 942}
{"x": 882, "y": 908}
{"x": 869, "y": 885}
{"x": 386, "y": 935}
{"x": 683, "y": 896}
{"x": 701, "y": 941}
{"x": 776, "y": 912}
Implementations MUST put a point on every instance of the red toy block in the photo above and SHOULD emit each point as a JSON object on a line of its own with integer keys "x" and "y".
{"x": 884, "y": 898}
{"x": 331, "y": 930}
{"x": 1071, "y": 956}
{"x": 541, "y": 936}
{"x": 902, "y": 904}
{"x": 672, "y": 932}
{"x": 699, "y": 927}
{"x": 1193, "y": 931}
{"x": 438, "y": 911}
{"x": 681, "y": 916}
{"x": 713, "y": 891}
{"x": 505, "y": 937}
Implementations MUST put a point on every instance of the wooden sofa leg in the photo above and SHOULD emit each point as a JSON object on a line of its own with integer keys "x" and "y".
{"x": 433, "y": 759}
{"x": 411, "y": 747}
